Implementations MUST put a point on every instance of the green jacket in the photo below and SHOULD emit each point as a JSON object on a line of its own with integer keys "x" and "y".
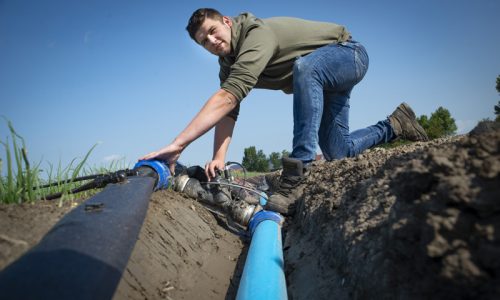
{"x": 264, "y": 50}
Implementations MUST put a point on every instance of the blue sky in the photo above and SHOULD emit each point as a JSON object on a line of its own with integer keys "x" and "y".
{"x": 126, "y": 75}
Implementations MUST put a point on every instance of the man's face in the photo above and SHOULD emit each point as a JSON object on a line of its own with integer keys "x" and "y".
{"x": 215, "y": 36}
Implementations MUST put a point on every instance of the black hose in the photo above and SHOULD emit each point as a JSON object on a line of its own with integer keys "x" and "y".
{"x": 99, "y": 181}
{"x": 85, "y": 253}
{"x": 67, "y": 181}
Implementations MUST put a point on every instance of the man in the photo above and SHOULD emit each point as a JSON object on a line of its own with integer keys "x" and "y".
{"x": 318, "y": 62}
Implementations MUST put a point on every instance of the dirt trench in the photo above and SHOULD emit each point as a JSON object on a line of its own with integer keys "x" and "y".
{"x": 183, "y": 252}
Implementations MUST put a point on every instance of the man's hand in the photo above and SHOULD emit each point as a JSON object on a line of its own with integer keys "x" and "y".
{"x": 212, "y": 166}
{"x": 169, "y": 154}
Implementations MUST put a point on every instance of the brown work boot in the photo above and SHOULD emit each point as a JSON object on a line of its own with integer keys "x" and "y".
{"x": 405, "y": 124}
{"x": 290, "y": 189}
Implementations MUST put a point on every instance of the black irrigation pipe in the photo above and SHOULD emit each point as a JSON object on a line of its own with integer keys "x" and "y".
{"x": 84, "y": 255}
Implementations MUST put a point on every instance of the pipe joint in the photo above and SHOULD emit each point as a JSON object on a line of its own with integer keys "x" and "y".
{"x": 264, "y": 215}
{"x": 161, "y": 169}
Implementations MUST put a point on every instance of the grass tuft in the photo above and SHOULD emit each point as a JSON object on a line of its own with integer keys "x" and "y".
{"x": 394, "y": 144}
{"x": 22, "y": 180}
{"x": 17, "y": 186}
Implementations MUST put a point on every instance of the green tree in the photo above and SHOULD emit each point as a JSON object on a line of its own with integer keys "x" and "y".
{"x": 275, "y": 160}
{"x": 285, "y": 153}
{"x": 250, "y": 158}
{"x": 262, "y": 162}
{"x": 254, "y": 160}
{"x": 497, "y": 111}
{"x": 424, "y": 122}
{"x": 497, "y": 107}
{"x": 440, "y": 123}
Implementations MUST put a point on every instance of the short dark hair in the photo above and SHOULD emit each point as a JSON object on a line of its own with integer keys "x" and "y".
{"x": 198, "y": 17}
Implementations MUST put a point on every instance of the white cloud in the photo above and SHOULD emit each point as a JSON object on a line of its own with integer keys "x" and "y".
{"x": 112, "y": 157}
{"x": 86, "y": 37}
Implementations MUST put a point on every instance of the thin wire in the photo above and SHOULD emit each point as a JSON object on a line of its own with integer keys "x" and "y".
{"x": 242, "y": 167}
{"x": 244, "y": 174}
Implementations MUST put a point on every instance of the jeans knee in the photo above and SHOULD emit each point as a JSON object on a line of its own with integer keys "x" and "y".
{"x": 334, "y": 151}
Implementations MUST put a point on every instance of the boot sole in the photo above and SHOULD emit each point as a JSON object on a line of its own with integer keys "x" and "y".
{"x": 406, "y": 109}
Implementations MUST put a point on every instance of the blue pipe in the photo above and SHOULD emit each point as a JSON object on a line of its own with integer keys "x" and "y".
{"x": 264, "y": 273}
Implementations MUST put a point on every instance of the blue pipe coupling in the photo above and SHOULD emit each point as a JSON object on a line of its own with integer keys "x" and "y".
{"x": 264, "y": 272}
{"x": 164, "y": 175}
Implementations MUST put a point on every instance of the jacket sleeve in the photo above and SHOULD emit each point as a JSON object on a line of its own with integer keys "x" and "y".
{"x": 258, "y": 47}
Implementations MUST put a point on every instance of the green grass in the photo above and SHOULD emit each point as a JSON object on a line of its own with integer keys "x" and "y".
{"x": 18, "y": 186}
{"x": 394, "y": 144}
{"x": 22, "y": 179}
{"x": 249, "y": 174}
{"x": 64, "y": 174}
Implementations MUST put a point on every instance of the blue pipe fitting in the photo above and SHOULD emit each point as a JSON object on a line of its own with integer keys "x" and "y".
{"x": 264, "y": 272}
{"x": 263, "y": 199}
{"x": 264, "y": 215}
{"x": 164, "y": 176}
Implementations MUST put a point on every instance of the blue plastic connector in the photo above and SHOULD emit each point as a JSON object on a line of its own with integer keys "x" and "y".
{"x": 164, "y": 175}
{"x": 264, "y": 215}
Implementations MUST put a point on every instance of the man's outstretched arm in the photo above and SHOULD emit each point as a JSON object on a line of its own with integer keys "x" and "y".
{"x": 222, "y": 139}
{"x": 216, "y": 108}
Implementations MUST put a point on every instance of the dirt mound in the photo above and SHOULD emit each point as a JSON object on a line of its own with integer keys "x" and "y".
{"x": 420, "y": 221}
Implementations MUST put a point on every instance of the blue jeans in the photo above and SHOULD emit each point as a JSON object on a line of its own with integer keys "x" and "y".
{"x": 322, "y": 83}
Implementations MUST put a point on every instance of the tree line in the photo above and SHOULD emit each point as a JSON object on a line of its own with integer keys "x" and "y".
{"x": 439, "y": 124}
{"x": 497, "y": 107}
{"x": 256, "y": 161}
